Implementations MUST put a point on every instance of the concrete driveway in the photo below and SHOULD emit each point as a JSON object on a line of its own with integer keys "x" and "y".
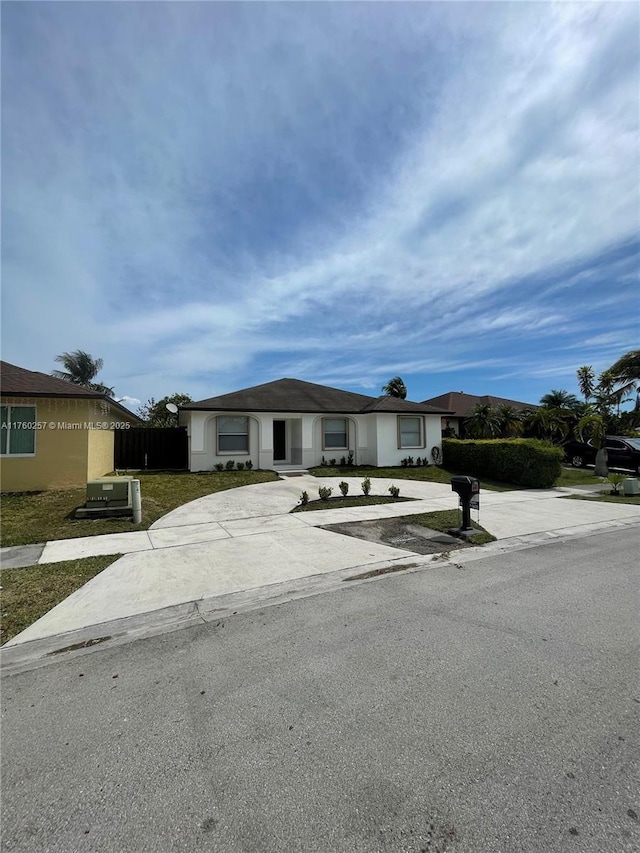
{"x": 243, "y": 540}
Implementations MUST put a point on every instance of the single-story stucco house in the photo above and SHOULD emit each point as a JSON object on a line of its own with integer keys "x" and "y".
{"x": 291, "y": 423}
{"x": 54, "y": 434}
{"x": 461, "y": 405}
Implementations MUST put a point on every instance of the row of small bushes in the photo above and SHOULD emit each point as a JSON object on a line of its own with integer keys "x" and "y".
{"x": 345, "y": 461}
{"x": 324, "y": 492}
{"x": 522, "y": 461}
{"x": 420, "y": 462}
{"x": 230, "y": 464}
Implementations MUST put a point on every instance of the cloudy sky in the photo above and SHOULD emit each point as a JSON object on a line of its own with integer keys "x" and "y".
{"x": 213, "y": 195}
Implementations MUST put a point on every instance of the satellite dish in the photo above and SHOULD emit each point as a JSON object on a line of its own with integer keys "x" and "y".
{"x": 171, "y": 407}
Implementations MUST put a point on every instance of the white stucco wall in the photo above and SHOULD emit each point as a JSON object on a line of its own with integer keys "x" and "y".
{"x": 372, "y": 437}
{"x": 389, "y": 454}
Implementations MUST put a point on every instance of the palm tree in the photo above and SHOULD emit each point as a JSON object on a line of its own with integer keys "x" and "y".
{"x": 483, "y": 422}
{"x": 395, "y": 388}
{"x": 81, "y": 369}
{"x": 586, "y": 381}
{"x": 548, "y": 424}
{"x": 627, "y": 368}
{"x": 559, "y": 399}
{"x": 593, "y": 426}
{"x": 509, "y": 421}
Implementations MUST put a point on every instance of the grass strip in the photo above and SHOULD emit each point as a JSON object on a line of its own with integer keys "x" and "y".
{"x": 27, "y": 594}
{"x": 605, "y": 497}
{"x": 448, "y": 519}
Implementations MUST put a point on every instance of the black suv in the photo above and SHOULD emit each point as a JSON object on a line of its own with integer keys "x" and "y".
{"x": 622, "y": 451}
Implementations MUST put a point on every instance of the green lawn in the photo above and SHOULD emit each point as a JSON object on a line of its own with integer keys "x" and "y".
{"x": 432, "y": 474}
{"x": 437, "y": 474}
{"x": 445, "y": 520}
{"x": 578, "y": 477}
{"x": 27, "y": 594}
{"x": 357, "y": 500}
{"x": 43, "y": 516}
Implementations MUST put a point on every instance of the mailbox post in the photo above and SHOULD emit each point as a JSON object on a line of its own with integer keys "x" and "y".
{"x": 466, "y": 488}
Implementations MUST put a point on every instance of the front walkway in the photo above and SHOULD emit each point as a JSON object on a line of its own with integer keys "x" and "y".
{"x": 244, "y": 539}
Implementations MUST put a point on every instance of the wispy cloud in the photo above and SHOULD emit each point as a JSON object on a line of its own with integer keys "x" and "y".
{"x": 212, "y": 195}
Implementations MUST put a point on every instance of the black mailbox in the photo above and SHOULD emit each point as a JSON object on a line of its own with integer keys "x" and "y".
{"x": 466, "y": 487}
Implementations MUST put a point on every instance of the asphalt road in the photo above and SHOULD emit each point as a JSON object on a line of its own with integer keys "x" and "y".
{"x": 491, "y": 707}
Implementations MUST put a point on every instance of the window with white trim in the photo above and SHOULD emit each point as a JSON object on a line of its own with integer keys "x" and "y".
{"x": 334, "y": 434}
{"x": 18, "y": 432}
{"x": 410, "y": 432}
{"x": 233, "y": 434}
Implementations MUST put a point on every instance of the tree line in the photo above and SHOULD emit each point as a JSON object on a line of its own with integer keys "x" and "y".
{"x": 560, "y": 414}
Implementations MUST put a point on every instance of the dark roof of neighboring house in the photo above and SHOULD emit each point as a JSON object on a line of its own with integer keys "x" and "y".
{"x": 17, "y": 382}
{"x": 294, "y": 395}
{"x": 461, "y": 405}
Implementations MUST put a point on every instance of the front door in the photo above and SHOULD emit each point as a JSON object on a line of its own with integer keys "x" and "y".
{"x": 279, "y": 441}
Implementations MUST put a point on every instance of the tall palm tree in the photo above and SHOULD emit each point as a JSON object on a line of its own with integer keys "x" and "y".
{"x": 81, "y": 369}
{"x": 509, "y": 421}
{"x": 483, "y": 422}
{"x": 586, "y": 381}
{"x": 559, "y": 399}
{"x": 395, "y": 388}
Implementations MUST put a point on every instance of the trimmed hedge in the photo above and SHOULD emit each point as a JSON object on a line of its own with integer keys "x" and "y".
{"x": 523, "y": 461}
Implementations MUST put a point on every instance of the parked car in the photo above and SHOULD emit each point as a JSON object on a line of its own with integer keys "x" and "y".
{"x": 622, "y": 452}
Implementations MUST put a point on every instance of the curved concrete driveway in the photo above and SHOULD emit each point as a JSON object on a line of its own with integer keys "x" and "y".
{"x": 244, "y": 539}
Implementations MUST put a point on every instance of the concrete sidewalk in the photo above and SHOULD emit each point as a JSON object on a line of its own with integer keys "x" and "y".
{"x": 245, "y": 539}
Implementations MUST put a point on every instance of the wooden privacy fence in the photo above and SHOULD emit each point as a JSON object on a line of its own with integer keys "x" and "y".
{"x": 151, "y": 448}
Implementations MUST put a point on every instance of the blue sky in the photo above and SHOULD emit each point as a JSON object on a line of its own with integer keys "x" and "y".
{"x": 213, "y": 195}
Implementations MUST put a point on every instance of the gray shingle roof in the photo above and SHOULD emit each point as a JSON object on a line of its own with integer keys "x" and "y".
{"x": 294, "y": 395}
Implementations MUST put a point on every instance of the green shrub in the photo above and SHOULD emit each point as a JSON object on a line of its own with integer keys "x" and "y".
{"x": 230, "y": 464}
{"x": 304, "y": 498}
{"x": 343, "y": 461}
{"x": 325, "y": 492}
{"x": 394, "y": 491}
{"x": 240, "y": 466}
{"x": 248, "y": 464}
{"x": 344, "y": 488}
{"x": 219, "y": 466}
{"x": 366, "y": 486}
{"x": 350, "y": 458}
{"x": 616, "y": 481}
{"x": 332, "y": 463}
{"x": 522, "y": 461}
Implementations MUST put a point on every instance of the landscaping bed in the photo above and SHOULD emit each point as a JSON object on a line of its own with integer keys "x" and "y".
{"x": 342, "y": 502}
{"x": 425, "y": 533}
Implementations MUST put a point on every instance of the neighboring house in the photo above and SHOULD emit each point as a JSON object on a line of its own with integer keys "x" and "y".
{"x": 53, "y": 433}
{"x": 293, "y": 423}
{"x": 462, "y": 405}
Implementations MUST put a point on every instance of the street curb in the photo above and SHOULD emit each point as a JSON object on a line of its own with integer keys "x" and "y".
{"x": 33, "y": 654}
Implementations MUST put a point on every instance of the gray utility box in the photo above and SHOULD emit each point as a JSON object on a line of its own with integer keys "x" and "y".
{"x": 631, "y": 486}
{"x": 109, "y": 493}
